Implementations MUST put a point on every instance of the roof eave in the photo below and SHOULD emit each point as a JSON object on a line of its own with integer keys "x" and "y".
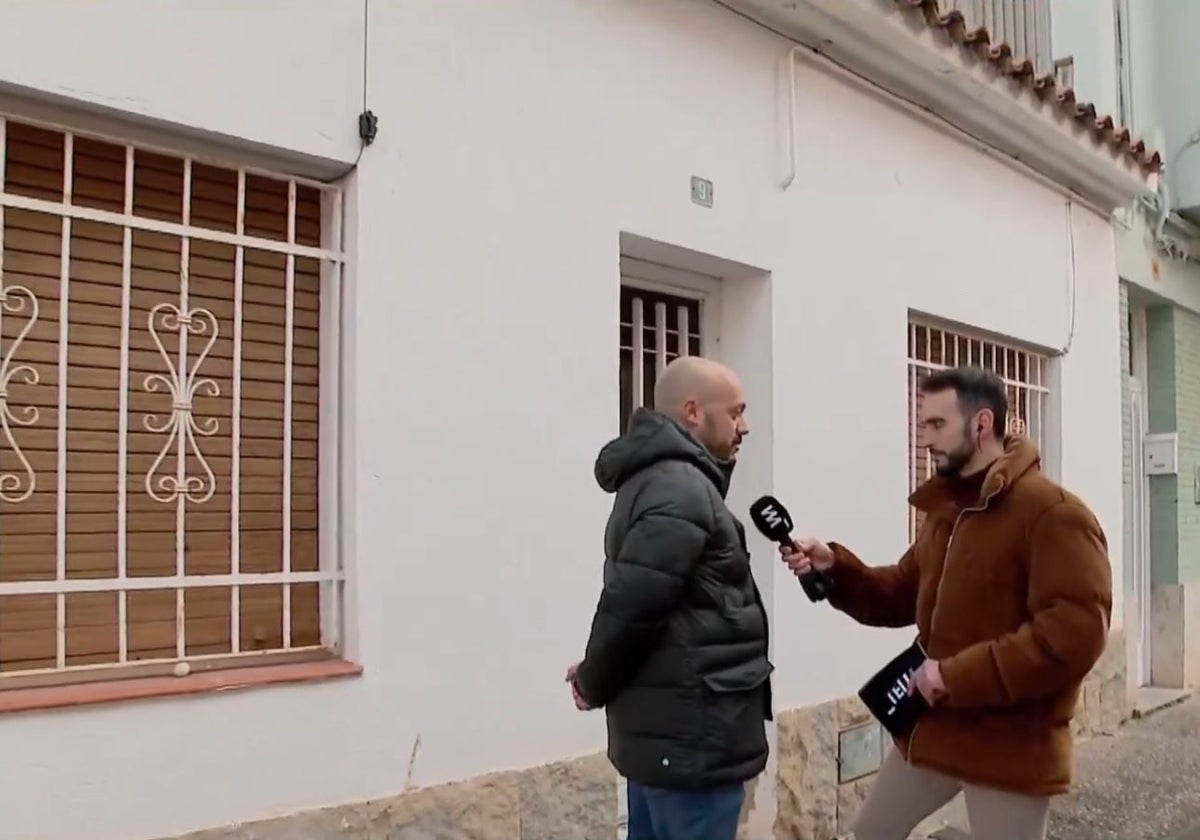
{"x": 895, "y": 48}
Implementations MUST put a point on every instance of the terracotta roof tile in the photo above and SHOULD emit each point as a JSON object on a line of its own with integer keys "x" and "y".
{"x": 1000, "y": 56}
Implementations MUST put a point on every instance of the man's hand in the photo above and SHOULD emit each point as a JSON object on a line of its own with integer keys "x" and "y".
{"x": 805, "y": 555}
{"x": 580, "y": 703}
{"x": 928, "y": 681}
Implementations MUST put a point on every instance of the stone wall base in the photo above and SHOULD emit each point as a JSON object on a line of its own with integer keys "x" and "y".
{"x": 1175, "y": 639}
{"x": 826, "y": 757}
{"x": 568, "y": 800}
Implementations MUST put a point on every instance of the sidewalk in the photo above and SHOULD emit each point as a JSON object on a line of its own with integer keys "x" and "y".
{"x": 1141, "y": 784}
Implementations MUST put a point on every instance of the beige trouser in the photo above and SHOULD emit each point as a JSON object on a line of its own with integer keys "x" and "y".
{"x": 904, "y": 795}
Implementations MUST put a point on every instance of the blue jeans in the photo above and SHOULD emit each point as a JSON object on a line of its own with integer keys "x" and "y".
{"x": 706, "y": 814}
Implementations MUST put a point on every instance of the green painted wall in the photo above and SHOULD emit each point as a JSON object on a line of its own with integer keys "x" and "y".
{"x": 1173, "y": 401}
{"x": 1160, "y": 363}
{"x": 1160, "y": 403}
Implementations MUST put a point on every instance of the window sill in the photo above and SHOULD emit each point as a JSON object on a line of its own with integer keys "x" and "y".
{"x": 115, "y": 691}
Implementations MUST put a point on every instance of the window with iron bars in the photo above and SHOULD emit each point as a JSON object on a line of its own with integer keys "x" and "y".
{"x": 656, "y": 328}
{"x": 1025, "y": 374}
{"x": 167, "y": 335}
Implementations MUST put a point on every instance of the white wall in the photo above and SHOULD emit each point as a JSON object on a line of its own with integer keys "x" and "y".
{"x": 1149, "y": 101}
{"x": 516, "y": 145}
{"x": 1162, "y": 56}
{"x": 285, "y": 73}
{"x": 1160, "y": 35}
{"x": 1086, "y": 30}
{"x": 1175, "y": 58}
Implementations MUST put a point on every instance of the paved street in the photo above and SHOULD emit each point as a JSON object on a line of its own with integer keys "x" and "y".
{"x": 1142, "y": 784}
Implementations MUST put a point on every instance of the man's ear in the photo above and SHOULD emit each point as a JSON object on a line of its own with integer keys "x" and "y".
{"x": 985, "y": 422}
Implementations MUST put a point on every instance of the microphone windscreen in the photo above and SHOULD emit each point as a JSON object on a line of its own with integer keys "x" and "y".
{"x": 771, "y": 518}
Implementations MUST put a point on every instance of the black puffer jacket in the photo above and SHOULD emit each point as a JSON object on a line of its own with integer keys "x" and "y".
{"x": 678, "y": 647}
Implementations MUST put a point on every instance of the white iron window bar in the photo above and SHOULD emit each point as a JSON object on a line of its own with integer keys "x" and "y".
{"x": 1025, "y": 374}
{"x": 123, "y": 411}
{"x": 656, "y": 329}
{"x": 64, "y": 320}
{"x": 183, "y": 351}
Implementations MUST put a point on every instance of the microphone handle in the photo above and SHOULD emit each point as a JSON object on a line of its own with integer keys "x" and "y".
{"x": 816, "y": 584}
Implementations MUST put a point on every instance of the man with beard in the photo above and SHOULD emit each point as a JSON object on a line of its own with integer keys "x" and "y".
{"x": 677, "y": 654}
{"x": 1009, "y": 585}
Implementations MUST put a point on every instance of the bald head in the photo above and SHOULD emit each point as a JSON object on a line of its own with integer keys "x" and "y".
{"x": 689, "y": 379}
{"x": 706, "y": 398}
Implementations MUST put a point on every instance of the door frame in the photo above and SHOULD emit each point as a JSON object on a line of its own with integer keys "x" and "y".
{"x": 1139, "y": 524}
{"x": 1140, "y": 565}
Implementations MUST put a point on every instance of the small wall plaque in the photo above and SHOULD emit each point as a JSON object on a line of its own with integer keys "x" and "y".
{"x": 859, "y": 752}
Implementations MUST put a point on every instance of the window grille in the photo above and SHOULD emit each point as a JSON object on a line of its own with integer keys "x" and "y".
{"x": 165, "y": 330}
{"x": 655, "y": 329}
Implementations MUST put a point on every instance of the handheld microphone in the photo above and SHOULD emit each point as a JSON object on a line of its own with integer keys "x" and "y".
{"x": 773, "y": 521}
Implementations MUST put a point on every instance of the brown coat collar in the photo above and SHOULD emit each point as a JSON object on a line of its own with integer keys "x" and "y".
{"x": 1020, "y": 456}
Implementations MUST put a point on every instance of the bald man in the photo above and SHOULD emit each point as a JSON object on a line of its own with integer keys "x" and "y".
{"x": 678, "y": 649}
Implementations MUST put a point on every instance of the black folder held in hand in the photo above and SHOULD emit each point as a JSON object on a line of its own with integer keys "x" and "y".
{"x": 886, "y": 694}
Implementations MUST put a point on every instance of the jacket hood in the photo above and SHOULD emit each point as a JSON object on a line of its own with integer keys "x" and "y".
{"x": 651, "y": 438}
{"x": 1020, "y": 457}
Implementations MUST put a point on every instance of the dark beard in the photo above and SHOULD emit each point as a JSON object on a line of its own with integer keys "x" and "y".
{"x": 956, "y": 460}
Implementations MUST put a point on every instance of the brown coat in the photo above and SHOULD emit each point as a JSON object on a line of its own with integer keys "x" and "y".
{"x": 1013, "y": 597}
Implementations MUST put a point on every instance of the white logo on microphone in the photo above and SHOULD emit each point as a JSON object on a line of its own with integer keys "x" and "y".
{"x": 772, "y": 516}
